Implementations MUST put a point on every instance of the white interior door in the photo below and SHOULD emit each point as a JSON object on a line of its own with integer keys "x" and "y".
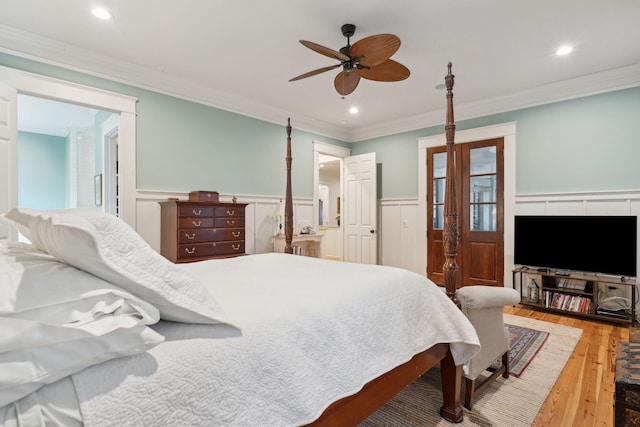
{"x": 360, "y": 215}
{"x": 8, "y": 152}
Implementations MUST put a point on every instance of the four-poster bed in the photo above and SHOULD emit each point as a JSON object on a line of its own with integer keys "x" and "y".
{"x": 102, "y": 330}
{"x": 354, "y": 409}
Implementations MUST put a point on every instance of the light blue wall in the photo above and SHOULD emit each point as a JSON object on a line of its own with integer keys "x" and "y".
{"x": 42, "y": 171}
{"x": 187, "y": 146}
{"x": 184, "y": 146}
{"x": 585, "y": 144}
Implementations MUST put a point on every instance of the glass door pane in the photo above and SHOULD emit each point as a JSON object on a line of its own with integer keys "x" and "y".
{"x": 483, "y": 190}
{"x": 439, "y": 184}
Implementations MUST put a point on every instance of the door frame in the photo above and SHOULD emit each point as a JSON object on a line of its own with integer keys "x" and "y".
{"x": 331, "y": 150}
{"x": 109, "y": 132}
{"x": 507, "y": 131}
{"x": 123, "y": 105}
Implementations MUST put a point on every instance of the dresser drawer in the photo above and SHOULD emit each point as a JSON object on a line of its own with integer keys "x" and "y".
{"x": 194, "y": 235}
{"x": 229, "y": 211}
{"x": 195, "y": 211}
{"x": 200, "y": 250}
{"x": 195, "y": 222}
{"x": 228, "y": 222}
{"x": 193, "y": 230}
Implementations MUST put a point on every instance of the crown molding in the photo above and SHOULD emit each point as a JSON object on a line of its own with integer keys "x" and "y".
{"x": 28, "y": 45}
{"x": 591, "y": 84}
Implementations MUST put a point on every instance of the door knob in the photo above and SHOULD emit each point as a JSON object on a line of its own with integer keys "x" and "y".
{"x": 371, "y": 231}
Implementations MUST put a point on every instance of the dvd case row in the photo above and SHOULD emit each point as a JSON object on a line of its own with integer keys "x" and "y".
{"x": 575, "y": 303}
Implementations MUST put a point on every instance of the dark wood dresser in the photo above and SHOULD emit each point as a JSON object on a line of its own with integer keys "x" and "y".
{"x": 195, "y": 231}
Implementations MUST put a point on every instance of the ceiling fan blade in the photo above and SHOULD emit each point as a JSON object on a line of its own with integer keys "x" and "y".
{"x": 325, "y": 51}
{"x": 314, "y": 72}
{"x": 346, "y": 83}
{"x": 374, "y": 50}
{"x": 388, "y": 71}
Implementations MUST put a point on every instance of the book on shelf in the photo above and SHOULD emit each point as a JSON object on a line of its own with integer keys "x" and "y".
{"x": 569, "y": 283}
{"x": 567, "y": 302}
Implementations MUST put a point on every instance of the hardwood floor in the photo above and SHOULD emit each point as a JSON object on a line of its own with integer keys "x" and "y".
{"x": 584, "y": 393}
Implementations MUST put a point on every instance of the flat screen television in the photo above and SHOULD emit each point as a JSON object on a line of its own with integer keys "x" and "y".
{"x": 596, "y": 244}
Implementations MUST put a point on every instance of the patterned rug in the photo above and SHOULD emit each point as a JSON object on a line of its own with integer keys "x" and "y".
{"x": 525, "y": 344}
{"x": 512, "y": 402}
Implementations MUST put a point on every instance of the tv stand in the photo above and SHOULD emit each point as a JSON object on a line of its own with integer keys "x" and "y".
{"x": 580, "y": 294}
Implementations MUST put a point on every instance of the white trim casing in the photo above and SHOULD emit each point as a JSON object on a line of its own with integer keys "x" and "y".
{"x": 504, "y": 130}
{"x": 125, "y": 106}
{"x": 32, "y": 46}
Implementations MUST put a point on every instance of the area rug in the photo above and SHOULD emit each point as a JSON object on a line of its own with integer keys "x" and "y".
{"x": 512, "y": 402}
{"x": 525, "y": 344}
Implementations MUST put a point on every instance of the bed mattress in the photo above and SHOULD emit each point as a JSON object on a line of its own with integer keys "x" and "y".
{"x": 309, "y": 332}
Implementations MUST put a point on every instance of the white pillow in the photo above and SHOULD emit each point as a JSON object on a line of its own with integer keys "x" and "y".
{"x": 56, "y": 320}
{"x": 107, "y": 247}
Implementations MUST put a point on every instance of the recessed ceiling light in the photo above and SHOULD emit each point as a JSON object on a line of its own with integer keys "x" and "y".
{"x": 564, "y": 50}
{"x": 353, "y": 110}
{"x": 101, "y": 13}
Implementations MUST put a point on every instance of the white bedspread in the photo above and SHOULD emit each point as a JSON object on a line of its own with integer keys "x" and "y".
{"x": 312, "y": 331}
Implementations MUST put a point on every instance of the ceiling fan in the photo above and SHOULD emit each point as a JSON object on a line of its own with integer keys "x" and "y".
{"x": 367, "y": 58}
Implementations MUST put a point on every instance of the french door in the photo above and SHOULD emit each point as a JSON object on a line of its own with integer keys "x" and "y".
{"x": 479, "y": 192}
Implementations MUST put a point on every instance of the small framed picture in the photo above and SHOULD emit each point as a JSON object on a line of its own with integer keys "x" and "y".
{"x": 97, "y": 181}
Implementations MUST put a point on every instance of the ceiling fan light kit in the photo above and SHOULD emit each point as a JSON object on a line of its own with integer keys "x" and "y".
{"x": 367, "y": 58}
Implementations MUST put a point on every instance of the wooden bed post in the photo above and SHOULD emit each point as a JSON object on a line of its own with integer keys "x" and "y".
{"x": 451, "y": 374}
{"x": 450, "y": 231}
{"x": 288, "y": 200}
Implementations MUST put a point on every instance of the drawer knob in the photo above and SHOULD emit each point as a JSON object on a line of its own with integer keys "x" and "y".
{"x": 231, "y": 213}
{"x": 236, "y": 247}
{"x": 231, "y": 222}
{"x": 235, "y": 234}
{"x": 190, "y": 252}
{"x": 196, "y": 223}
{"x": 193, "y": 236}
{"x": 197, "y": 212}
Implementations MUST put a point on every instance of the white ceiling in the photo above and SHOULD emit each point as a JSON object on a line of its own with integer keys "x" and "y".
{"x": 239, "y": 55}
{"x": 49, "y": 117}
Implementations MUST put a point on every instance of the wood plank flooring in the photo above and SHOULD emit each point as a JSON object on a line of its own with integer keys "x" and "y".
{"x": 584, "y": 393}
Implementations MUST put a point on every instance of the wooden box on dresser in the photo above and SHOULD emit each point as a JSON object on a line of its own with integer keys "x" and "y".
{"x": 195, "y": 230}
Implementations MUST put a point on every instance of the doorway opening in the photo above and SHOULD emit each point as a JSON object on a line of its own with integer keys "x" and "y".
{"x": 60, "y": 154}
{"x": 328, "y": 200}
{"x": 13, "y": 81}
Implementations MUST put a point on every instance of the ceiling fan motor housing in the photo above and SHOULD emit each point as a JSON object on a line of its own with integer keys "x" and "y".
{"x": 348, "y": 30}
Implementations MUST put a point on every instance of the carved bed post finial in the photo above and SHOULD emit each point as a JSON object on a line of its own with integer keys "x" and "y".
{"x": 288, "y": 201}
{"x": 450, "y": 231}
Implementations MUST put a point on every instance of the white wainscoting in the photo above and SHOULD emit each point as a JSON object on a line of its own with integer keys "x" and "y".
{"x": 398, "y": 220}
{"x": 625, "y": 202}
{"x": 400, "y": 223}
{"x": 583, "y": 203}
{"x": 260, "y": 220}
{"x": 398, "y": 234}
